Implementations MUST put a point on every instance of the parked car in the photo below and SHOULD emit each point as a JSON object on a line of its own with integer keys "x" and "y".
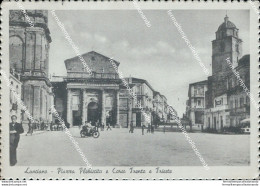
{"x": 245, "y": 126}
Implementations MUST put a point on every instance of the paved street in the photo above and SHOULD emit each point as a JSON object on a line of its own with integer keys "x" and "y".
{"x": 120, "y": 148}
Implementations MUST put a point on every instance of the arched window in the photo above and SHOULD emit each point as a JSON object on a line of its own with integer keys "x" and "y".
{"x": 16, "y": 53}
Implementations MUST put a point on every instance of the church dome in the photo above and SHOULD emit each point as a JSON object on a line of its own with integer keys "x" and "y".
{"x": 226, "y": 25}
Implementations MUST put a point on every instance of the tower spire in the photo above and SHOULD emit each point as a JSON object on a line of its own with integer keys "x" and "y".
{"x": 226, "y": 18}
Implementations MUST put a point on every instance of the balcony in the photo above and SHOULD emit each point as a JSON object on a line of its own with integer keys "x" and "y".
{"x": 219, "y": 108}
{"x": 105, "y": 75}
{"x": 37, "y": 73}
{"x": 194, "y": 94}
{"x": 95, "y": 75}
{"x": 239, "y": 110}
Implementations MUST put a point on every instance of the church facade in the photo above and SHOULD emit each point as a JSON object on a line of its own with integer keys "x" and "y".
{"x": 101, "y": 97}
{"x": 88, "y": 97}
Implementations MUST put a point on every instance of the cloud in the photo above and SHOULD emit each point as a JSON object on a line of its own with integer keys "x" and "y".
{"x": 100, "y": 39}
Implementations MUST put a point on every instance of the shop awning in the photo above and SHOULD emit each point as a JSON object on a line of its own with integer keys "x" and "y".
{"x": 247, "y": 120}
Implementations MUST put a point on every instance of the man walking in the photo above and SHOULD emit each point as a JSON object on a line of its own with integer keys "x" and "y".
{"x": 152, "y": 129}
{"x": 15, "y": 129}
{"x": 131, "y": 127}
{"x": 108, "y": 126}
{"x": 30, "y": 125}
{"x": 149, "y": 128}
{"x": 143, "y": 129}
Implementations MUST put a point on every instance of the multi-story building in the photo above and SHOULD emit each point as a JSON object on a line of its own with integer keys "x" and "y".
{"x": 165, "y": 108}
{"x": 158, "y": 106}
{"x": 196, "y": 102}
{"x": 226, "y": 101}
{"x": 29, "y": 57}
{"x": 233, "y": 105}
{"x": 15, "y": 92}
{"x": 144, "y": 102}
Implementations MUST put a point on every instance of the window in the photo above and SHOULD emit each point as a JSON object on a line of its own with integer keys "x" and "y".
{"x": 227, "y": 84}
{"x": 231, "y": 104}
{"x": 16, "y": 52}
{"x": 241, "y": 102}
{"x": 236, "y": 103}
{"x": 123, "y": 103}
{"x": 199, "y": 102}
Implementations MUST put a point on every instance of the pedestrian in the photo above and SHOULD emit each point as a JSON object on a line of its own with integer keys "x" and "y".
{"x": 30, "y": 126}
{"x": 51, "y": 126}
{"x": 164, "y": 129}
{"x": 131, "y": 127}
{"x": 67, "y": 124}
{"x": 108, "y": 126}
{"x": 152, "y": 129}
{"x": 102, "y": 127}
{"x": 46, "y": 125}
{"x": 149, "y": 128}
{"x": 15, "y": 130}
{"x": 38, "y": 124}
{"x": 42, "y": 125}
{"x": 96, "y": 125}
{"x": 143, "y": 129}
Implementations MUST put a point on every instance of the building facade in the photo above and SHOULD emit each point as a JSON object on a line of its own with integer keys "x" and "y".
{"x": 101, "y": 97}
{"x": 226, "y": 101}
{"x": 144, "y": 94}
{"x": 15, "y": 89}
{"x": 196, "y": 103}
{"x": 83, "y": 97}
{"x": 233, "y": 105}
{"x": 158, "y": 105}
{"x": 29, "y": 57}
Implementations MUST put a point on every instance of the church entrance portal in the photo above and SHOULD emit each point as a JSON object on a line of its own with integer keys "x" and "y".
{"x": 93, "y": 112}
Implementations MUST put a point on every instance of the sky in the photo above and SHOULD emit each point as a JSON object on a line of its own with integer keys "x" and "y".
{"x": 157, "y": 53}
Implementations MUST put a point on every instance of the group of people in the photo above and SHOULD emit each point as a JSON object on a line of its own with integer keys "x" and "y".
{"x": 150, "y": 128}
{"x": 57, "y": 126}
{"x": 37, "y": 125}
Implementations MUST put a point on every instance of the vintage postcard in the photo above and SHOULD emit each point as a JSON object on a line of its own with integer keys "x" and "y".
{"x": 129, "y": 90}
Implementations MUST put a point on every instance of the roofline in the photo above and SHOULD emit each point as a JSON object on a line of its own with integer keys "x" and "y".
{"x": 66, "y": 60}
{"x": 199, "y": 82}
{"x": 145, "y": 81}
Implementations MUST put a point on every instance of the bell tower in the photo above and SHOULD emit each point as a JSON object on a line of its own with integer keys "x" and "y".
{"x": 226, "y": 45}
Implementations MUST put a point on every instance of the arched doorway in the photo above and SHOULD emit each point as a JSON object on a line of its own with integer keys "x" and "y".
{"x": 93, "y": 112}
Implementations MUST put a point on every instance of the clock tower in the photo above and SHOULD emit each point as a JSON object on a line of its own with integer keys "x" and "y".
{"x": 226, "y": 45}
